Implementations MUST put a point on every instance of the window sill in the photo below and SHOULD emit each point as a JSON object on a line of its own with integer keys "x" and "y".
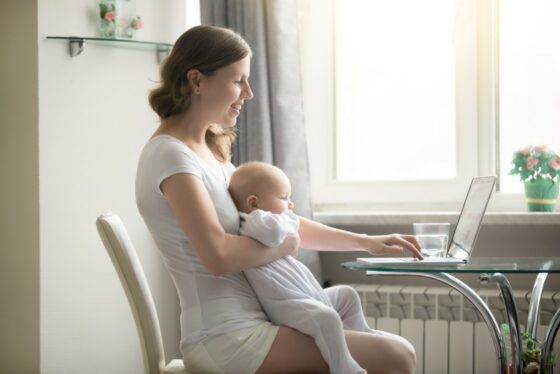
{"x": 407, "y": 218}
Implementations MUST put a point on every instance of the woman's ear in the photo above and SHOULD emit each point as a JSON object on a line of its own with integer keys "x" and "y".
{"x": 252, "y": 203}
{"x": 194, "y": 77}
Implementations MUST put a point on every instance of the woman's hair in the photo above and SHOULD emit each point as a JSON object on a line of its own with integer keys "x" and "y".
{"x": 206, "y": 48}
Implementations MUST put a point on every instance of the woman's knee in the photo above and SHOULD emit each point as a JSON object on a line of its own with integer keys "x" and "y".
{"x": 382, "y": 354}
{"x": 405, "y": 352}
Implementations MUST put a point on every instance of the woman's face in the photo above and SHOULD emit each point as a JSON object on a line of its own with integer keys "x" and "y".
{"x": 223, "y": 93}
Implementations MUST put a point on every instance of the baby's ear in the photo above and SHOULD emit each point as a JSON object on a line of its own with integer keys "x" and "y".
{"x": 252, "y": 203}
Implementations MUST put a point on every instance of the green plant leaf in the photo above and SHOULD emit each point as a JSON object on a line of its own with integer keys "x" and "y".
{"x": 102, "y": 10}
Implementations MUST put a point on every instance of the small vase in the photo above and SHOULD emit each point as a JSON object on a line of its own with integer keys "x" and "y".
{"x": 542, "y": 195}
{"x": 107, "y": 29}
{"x": 116, "y": 17}
{"x": 125, "y": 11}
{"x": 107, "y": 24}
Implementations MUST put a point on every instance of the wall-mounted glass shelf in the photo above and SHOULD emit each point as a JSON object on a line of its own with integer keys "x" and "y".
{"x": 76, "y": 44}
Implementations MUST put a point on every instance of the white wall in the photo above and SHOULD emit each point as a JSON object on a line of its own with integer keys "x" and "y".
{"x": 93, "y": 120}
{"x": 19, "y": 192}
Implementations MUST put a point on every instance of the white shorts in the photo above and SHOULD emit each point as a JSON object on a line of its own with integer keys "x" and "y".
{"x": 237, "y": 352}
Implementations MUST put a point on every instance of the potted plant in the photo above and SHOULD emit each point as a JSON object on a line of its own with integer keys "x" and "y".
{"x": 117, "y": 18}
{"x": 539, "y": 168}
{"x": 531, "y": 356}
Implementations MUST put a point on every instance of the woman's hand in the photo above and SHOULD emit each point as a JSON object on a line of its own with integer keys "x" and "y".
{"x": 393, "y": 244}
{"x": 317, "y": 236}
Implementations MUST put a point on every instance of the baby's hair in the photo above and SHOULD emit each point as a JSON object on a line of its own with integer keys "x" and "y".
{"x": 252, "y": 178}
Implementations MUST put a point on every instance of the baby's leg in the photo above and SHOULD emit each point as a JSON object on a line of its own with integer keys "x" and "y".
{"x": 323, "y": 323}
{"x": 286, "y": 296}
{"x": 346, "y": 302}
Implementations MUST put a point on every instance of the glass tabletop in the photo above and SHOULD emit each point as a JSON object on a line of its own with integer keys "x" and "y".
{"x": 520, "y": 265}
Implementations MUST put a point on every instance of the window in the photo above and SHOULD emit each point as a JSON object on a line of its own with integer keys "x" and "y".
{"x": 376, "y": 76}
{"x": 406, "y": 101}
{"x": 529, "y": 80}
{"x": 192, "y": 13}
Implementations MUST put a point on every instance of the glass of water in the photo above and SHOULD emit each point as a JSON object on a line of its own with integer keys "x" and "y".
{"x": 432, "y": 237}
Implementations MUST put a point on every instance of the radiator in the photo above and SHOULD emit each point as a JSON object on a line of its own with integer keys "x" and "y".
{"x": 449, "y": 335}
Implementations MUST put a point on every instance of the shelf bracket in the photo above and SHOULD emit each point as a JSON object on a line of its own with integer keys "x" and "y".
{"x": 76, "y": 46}
{"x": 162, "y": 52}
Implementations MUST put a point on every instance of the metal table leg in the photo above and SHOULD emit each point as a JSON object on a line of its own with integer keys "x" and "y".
{"x": 535, "y": 303}
{"x": 550, "y": 336}
{"x": 511, "y": 309}
{"x": 475, "y": 299}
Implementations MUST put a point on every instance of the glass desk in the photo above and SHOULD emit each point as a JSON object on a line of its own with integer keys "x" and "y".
{"x": 489, "y": 270}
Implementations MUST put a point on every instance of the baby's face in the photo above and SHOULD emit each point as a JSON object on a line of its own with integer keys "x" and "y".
{"x": 276, "y": 199}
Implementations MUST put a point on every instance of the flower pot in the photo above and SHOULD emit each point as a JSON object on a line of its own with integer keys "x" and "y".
{"x": 542, "y": 195}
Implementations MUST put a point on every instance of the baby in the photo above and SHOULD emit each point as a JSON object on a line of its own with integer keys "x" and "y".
{"x": 288, "y": 292}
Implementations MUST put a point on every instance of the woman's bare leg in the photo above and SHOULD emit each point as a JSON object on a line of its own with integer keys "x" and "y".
{"x": 293, "y": 352}
{"x": 386, "y": 353}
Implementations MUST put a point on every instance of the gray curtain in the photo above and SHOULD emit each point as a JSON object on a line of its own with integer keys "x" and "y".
{"x": 271, "y": 127}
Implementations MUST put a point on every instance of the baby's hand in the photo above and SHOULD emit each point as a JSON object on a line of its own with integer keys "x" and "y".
{"x": 290, "y": 245}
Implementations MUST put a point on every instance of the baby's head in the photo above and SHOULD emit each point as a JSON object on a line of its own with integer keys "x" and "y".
{"x": 258, "y": 185}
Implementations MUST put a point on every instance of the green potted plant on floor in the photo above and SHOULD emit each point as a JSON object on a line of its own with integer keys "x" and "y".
{"x": 531, "y": 354}
{"x": 539, "y": 169}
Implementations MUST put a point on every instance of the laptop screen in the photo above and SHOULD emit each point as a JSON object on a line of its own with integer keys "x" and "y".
{"x": 471, "y": 216}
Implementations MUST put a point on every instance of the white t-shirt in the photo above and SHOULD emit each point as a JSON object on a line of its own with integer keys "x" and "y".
{"x": 210, "y": 305}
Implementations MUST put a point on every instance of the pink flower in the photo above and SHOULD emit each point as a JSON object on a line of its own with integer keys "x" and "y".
{"x": 525, "y": 151}
{"x": 555, "y": 163}
{"x": 540, "y": 148}
{"x": 138, "y": 24}
{"x": 531, "y": 161}
{"x": 109, "y": 16}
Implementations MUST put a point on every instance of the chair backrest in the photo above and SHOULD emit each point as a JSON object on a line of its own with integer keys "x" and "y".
{"x": 128, "y": 266}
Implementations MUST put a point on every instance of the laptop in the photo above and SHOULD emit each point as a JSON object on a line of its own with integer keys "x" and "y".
{"x": 464, "y": 237}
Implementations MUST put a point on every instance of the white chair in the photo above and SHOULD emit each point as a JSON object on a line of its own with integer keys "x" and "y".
{"x": 128, "y": 266}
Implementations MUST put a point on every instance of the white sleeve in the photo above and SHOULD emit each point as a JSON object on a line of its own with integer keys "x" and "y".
{"x": 268, "y": 228}
{"x": 172, "y": 158}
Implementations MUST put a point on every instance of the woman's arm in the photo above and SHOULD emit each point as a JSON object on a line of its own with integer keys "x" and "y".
{"x": 221, "y": 253}
{"x": 315, "y": 235}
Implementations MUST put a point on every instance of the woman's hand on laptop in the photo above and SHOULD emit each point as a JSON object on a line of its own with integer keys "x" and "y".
{"x": 393, "y": 244}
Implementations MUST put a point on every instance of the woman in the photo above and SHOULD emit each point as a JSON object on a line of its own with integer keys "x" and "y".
{"x": 181, "y": 191}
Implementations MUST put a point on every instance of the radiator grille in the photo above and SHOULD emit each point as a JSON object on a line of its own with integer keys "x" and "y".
{"x": 449, "y": 335}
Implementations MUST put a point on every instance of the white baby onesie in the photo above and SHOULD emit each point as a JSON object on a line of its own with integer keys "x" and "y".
{"x": 268, "y": 228}
{"x": 291, "y": 296}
